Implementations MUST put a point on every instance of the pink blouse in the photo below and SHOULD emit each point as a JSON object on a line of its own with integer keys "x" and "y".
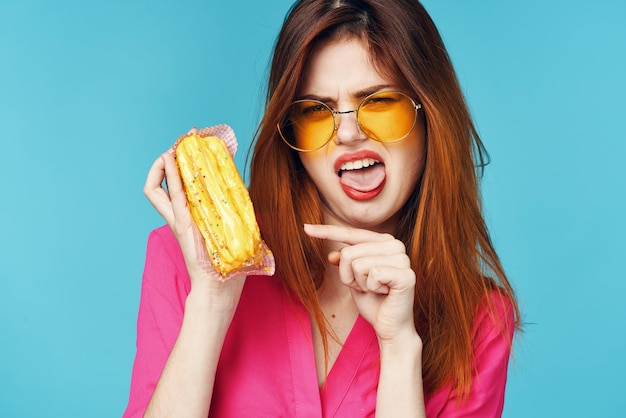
{"x": 267, "y": 364}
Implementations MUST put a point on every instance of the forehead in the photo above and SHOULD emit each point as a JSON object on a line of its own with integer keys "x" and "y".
{"x": 340, "y": 67}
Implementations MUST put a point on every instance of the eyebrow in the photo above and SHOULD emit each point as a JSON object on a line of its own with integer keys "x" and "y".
{"x": 360, "y": 94}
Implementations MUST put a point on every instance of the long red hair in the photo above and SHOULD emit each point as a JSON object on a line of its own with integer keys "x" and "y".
{"x": 441, "y": 224}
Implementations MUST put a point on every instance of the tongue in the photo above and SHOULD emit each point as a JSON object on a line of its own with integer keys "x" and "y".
{"x": 365, "y": 179}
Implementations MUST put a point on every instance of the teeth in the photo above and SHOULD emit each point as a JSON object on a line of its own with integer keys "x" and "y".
{"x": 356, "y": 165}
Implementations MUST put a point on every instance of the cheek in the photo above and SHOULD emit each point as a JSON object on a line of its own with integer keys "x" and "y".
{"x": 412, "y": 153}
{"x": 314, "y": 163}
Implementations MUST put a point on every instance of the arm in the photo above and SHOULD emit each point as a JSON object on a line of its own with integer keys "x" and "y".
{"x": 185, "y": 385}
{"x": 377, "y": 270}
{"x": 400, "y": 388}
{"x": 164, "y": 292}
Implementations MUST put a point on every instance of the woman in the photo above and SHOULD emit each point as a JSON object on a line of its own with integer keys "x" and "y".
{"x": 389, "y": 299}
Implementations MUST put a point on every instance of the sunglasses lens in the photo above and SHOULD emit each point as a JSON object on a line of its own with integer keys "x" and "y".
{"x": 308, "y": 126}
{"x": 387, "y": 116}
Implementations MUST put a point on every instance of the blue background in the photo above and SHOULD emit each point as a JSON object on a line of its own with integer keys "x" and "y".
{"x": 92, "y": 92}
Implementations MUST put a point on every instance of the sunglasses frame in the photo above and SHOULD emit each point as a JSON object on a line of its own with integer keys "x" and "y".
{"x": 334, "y": 113}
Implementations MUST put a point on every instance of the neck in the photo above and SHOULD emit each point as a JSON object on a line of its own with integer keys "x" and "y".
{"x": 335, "y": 298}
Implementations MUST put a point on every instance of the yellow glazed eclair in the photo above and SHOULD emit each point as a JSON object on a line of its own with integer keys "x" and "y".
{"x": 219, "y": 203}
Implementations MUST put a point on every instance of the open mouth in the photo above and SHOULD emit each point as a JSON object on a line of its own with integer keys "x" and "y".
{"x": 362, "y": 179}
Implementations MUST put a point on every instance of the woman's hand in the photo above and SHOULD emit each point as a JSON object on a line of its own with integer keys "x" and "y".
{"x": 171, "y": 203}
{"x": 378, "y": 271}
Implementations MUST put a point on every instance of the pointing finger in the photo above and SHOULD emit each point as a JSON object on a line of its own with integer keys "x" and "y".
{"x": 344, "y": 234}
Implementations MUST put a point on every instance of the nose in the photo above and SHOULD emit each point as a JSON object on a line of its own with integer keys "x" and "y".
{"x": 347, "y": 128}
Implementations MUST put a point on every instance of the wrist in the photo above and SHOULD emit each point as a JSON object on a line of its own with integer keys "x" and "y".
{"x": 213, "y": 297}
{"x": 405, "y": 344}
